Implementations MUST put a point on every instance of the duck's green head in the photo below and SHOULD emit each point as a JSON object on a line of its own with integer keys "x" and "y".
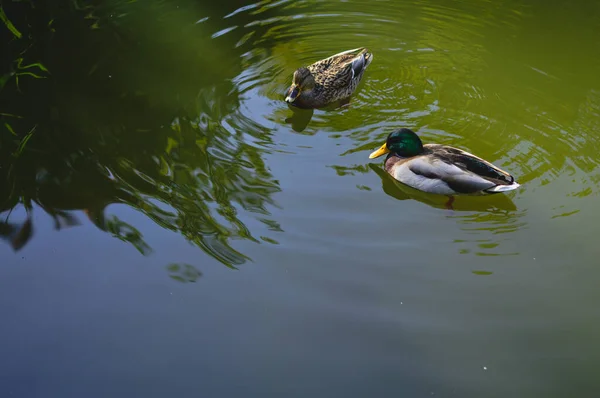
{"x": 402, "y": 142}
{"x": 302, "y": 81}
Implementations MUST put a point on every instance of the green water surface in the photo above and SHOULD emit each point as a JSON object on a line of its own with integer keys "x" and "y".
{"x": 171, "y": 228}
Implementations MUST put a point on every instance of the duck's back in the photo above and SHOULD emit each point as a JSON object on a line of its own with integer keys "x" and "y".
{"x": 336, "y": 77}
{"x": 343, "y": 70}
{"x": 469, "y": 163}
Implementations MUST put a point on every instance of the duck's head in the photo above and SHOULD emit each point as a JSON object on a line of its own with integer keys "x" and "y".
{"x": 303, "y": 81}
{"x": 403, "y": 142}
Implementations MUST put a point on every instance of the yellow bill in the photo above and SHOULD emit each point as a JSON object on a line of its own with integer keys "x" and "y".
{"x": 381, "y": 151}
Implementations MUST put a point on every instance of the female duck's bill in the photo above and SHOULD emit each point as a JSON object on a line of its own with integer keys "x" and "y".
{"x": 293, "y": 93}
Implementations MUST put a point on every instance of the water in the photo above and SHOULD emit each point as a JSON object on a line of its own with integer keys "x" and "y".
{"x": 193, "y": 236}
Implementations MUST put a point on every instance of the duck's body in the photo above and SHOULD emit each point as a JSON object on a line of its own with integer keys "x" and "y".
{"x": 329, "y": 80}
{"x": 441, "y": 169}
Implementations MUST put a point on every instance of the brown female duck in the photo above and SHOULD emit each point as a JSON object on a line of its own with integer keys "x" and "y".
{"x": 329, "y": 80}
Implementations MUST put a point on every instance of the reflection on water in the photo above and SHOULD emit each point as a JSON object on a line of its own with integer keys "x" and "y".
{"x": 487, "y": 217}
{"x": 162, "y": 123}
{"x": 175, "y": 108}
{"x": 193, "y": 180}
{"x": 190, "y": 166}
{"x": 183, "y": 273}
{"x": 492, "y": 203}
{"x": 299, "y": 119}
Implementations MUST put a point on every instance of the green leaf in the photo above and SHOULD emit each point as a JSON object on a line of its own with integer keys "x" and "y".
{"x": 10, "y": 115}
{"x": 9, "y": 24}
{"x": 9, "y": 128}
{"x": 36, "y": 64}
{"x": 31, "y": 74}
{"x": 24, "y": 141}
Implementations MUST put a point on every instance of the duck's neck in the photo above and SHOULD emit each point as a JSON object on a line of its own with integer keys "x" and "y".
{"x": 309, "y": 99}
{"x": 391, "y": 160}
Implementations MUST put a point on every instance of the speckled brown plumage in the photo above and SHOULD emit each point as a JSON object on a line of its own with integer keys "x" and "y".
{"x": 329, "y": 80}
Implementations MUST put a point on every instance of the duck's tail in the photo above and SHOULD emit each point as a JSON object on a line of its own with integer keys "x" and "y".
{"x": 360, "y": 62}
{"x": 503, "y": 188}
{"x": 359, "y": 53}
{"x": 367, "y": 55}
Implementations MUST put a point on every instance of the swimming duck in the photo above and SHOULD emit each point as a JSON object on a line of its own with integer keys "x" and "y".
{"x": 329, "y": 80}
{"x": 440, "y": 169}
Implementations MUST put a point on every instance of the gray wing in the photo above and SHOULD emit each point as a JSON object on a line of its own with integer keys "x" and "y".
{"x": 459, "y": 180}
{"x": 358, "y": 65}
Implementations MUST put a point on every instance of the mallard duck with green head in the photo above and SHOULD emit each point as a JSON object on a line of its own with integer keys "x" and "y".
{"x": 440, "y": 169}
{"x": 329, "y": 80}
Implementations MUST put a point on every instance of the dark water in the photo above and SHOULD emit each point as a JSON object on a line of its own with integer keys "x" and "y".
{"x": 172, "y": 228}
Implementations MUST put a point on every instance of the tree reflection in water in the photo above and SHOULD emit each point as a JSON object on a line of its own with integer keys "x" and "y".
{"x": 112, "y": 127}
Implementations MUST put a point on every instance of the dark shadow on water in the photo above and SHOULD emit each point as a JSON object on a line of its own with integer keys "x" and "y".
{"x": 115, "y": 127}
{"x": 300, "y": 118}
